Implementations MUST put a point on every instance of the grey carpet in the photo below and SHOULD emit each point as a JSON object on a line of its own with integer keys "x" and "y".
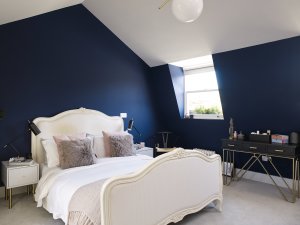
{"x": 245, "y": 202}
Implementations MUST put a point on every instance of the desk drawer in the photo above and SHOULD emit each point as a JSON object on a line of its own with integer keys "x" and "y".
{"x": 254, "y": 147}
{"x": 282, "y": 150}
{"x": 231, "y": 144}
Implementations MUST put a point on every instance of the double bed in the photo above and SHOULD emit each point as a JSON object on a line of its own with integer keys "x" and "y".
{"x": 135, "y": 190}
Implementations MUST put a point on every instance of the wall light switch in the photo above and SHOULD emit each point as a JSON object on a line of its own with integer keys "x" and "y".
{"x": 123, "y": 115}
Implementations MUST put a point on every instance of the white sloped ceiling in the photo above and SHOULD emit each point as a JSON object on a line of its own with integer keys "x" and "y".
{"x": 13, "y": 10}
{"x": 158, "y": 38}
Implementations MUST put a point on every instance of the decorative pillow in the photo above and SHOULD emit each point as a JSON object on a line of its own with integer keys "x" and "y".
{"x": 118, "y": 144}
{"x": 75, "y": 153}
{"x": 106, "y": 140}
{"x": 50, "y": 146}
{"x": 97, "y": 145}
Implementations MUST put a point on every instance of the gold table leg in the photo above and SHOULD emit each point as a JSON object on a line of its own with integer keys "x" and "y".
{"x": 33, "y": 189}
{"x": 226, "y": 168}
{"x": 228, "y": 160}
{"x": 294, "y": 181}
{"x": 28, "y": 189}
{"x": 254, "y": 158}
{"x": 297, "y": 179}
{"x": 10, "y": 198}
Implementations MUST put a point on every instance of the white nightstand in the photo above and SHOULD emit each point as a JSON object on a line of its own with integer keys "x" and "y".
{"x": 17, "y": 176}
{"x": 145, "y": 151}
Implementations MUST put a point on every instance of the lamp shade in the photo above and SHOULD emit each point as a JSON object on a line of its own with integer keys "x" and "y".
{"x": 187, "y": 10}
{"x": 34, "y": 129}
{"x": 130, "y": 124}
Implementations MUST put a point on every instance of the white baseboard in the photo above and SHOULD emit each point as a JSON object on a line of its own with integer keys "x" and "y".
{"x": 264, "y": 178}
{"x": 18, "y": 190}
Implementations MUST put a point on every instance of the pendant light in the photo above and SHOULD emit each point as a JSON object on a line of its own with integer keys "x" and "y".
{"x": 186, "y": 10}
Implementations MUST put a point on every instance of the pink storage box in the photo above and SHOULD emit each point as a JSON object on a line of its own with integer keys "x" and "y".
{"x": 281, "y": 139}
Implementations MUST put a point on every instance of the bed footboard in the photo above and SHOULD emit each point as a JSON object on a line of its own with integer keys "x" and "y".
{"x": 172, "y": 186}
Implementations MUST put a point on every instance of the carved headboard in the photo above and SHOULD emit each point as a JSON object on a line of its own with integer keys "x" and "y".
{"x": 70, "y": 122}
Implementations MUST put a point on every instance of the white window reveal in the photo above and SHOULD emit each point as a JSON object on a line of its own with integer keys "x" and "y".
{"x": 202, "y": 98}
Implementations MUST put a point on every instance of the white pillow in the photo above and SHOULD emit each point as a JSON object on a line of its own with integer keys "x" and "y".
{"x": 97, "y": 145}
{"x": 51, "y": 152}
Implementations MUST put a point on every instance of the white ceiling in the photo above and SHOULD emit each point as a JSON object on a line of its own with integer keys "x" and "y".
{"x": 158, "y": 38}
{"x": 13, "y": 10}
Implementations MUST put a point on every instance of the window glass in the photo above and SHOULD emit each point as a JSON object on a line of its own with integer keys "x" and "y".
{"x": 202, "y": 98}
{"x": 207, "y": 102}
{"x": 201, "y": 81}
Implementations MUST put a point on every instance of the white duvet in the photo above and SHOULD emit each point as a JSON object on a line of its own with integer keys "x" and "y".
{"x": 56, "y": 187}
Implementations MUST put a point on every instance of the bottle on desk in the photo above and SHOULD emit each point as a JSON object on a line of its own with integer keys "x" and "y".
{"x": 235, "y": 135}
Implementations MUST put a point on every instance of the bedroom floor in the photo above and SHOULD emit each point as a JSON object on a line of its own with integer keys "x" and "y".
{"x": 245, "y": 202}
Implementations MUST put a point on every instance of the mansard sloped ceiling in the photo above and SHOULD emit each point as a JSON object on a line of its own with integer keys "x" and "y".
{"x": 13, "y": 10}
{"x": 158, "y": 38}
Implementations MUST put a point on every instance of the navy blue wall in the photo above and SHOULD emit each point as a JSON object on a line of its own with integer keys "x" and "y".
{"x": 64, "y": 60}
{"x": 259, "y": 88}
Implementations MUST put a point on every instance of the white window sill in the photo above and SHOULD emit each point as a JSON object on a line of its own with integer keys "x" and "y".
{"x": 208, "y": 117}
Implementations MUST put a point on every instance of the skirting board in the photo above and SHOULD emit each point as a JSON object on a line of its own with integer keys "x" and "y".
{"x": 15, "y": 191}
{"x": 264, "y": 178}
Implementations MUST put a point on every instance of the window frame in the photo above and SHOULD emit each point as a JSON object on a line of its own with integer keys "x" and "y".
{"x": 193, "y": 71}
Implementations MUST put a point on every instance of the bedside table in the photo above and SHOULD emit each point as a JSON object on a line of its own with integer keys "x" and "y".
{"x": 17, "y": 176}
{"x": 145, "y": 151}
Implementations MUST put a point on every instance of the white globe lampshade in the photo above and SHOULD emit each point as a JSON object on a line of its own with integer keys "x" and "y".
{"x": 187, "y": 10}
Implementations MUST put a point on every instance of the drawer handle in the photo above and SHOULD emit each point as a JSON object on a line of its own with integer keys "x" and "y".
{"x": 230, "y": 145}
{"x": 253, "y": 147}
{"x": 278, "y": 150}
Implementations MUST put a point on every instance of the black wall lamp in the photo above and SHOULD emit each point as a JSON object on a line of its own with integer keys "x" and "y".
{"x": 31, "y": 127}
{"x": 131, "y": 125}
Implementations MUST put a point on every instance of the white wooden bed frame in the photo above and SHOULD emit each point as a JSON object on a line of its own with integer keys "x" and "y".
{"x": 172, "y": 186}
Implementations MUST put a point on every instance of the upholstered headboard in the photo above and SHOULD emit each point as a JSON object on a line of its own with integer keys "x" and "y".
{"x": 70, "y": 122}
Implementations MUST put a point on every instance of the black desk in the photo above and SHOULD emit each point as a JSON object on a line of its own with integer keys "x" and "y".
{"x": 257, "y": 150}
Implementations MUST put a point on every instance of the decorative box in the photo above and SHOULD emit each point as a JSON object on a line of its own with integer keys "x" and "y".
{"x": 279, "y": 138}
{"x": 265, "y": 138}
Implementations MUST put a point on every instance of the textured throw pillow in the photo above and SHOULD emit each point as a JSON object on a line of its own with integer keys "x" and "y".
{"x": 97, "y": 145}
{"x": 50, "y": 147}
{"x": 75, "y": 153}
{"x": 106, "y": 140}
{"x": 118, "y": 144}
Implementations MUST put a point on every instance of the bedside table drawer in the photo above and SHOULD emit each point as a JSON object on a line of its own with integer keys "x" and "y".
{"x": 22, "y": 176}
{"x": 282, "y": 150}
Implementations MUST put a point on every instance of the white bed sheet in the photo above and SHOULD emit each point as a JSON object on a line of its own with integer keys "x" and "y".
{"x": 56, "y": 187}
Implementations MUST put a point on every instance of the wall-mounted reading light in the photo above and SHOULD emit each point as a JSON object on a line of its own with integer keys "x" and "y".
{"x": 130, "y": 126}
{"x": 31, "y": 127}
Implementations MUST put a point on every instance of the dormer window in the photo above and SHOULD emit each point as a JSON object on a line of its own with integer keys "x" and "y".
{"x": 202, "y": 98}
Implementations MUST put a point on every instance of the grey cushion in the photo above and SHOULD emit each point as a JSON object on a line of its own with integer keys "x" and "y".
{"x": 74, "y": 153}
{"x": 121, "y": 145}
